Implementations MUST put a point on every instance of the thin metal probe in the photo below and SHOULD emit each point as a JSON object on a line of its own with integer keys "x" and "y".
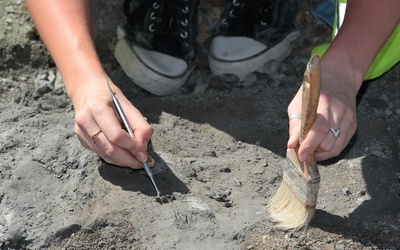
{"x": 128, "y": 128}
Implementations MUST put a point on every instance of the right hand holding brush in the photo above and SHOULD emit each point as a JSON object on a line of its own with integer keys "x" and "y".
{"x": 343, "y": 68}
{"x": 336, "y": 112}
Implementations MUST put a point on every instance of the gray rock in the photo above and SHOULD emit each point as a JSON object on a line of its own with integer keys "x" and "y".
{"x": 42, "y": 86}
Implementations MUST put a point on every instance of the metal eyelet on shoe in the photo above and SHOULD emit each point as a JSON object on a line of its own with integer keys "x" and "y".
{"x": 235, "y": 3}
{"x": 184, "y": 34}
{"x": 185, "y": 23}
{"x": 151, "y": 27}
{"x": 231, "y": 13}
{"x": 185, "y": 10}
{"x": 152, "y": 16}
{"x": 156, "y": 5}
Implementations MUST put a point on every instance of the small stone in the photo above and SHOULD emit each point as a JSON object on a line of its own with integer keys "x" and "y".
{"x": 388, "y": 112}
{"x": 51, "y": 77}
{"x": 346, "y": 191}
{"x": 58, "y": 82}
{"x": 249, "y": 80}
{"x": 42, "y": 86}
{"x": 288, "y": 236}
{"x": 200, "y": 89}
{"x": 230, "y": 80}
{"x": 237, "y": 182}
{"x": 339, "y": 247}
{"x": 9, "y": 9}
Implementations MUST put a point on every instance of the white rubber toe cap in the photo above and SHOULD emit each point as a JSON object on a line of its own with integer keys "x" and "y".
{"x": 235, "y": 48}
{"x": 164, "y": 64}
{"x": 242, "y": 55}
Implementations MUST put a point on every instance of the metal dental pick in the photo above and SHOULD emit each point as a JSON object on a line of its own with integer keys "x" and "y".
{"x": 128, "y": 128}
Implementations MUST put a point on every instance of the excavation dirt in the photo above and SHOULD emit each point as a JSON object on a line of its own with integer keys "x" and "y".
{"x": 219, "y": 146}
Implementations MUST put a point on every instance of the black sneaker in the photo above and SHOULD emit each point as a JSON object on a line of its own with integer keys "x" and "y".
{"x": 157, "y": 46}
{"x": 250, "y": 33}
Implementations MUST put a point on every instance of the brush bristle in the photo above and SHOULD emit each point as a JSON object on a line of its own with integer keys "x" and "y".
{"x": 287, "y": 211}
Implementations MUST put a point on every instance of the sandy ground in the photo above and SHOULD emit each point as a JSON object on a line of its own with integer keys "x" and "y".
{"x": 219, "y": 150}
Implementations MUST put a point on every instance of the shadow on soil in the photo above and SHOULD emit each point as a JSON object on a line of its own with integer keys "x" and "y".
{"x": 136, "y": 180}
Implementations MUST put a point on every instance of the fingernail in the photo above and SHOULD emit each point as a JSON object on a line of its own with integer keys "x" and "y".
{"x": 109, "y": 161}
{"x": 141, "y": 156}
{"x": 150, "y": 161}
{"x": 302, "y": 157}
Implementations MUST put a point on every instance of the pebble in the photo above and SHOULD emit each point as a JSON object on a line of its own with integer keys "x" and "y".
{"x": 42, "y": 86}
{"x": 58, "y": 84}
{"x": 5, "y": 81}
{"x": 237, "y": 182}
{"x": 200, "y": 89}
{"x": 288, "y": 236}
{"x": 249, "y": 80}
{"x": 340, "y": 247}
{"x": 230, "y": 80}
{"x": 9, "y": 9}
{"x": 346, "y": 191}
{"x": 51, "y": 77}
{"x": 388, "y": 112}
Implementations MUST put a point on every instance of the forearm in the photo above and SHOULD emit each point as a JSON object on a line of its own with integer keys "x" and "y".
{"x": 366, "y": 27}
{"x": 65, "y": 28}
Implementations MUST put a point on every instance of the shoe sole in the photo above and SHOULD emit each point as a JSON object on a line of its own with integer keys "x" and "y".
{"x": 144, "y": 76}
{"x": 241, "y": 68}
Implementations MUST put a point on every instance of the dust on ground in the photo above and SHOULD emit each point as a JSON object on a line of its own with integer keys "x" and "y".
{"x": 219, "y": 146}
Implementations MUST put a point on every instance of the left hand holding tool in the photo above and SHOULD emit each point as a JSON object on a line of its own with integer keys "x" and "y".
{"x": 128, "y": 128}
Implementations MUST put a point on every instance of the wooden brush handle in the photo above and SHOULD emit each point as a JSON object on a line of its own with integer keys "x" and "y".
{"x": 310, "y": 98}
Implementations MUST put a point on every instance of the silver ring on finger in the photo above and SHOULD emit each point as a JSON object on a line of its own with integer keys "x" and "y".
{"x": 335, "y": 132}
{"x": 295, "y": 116}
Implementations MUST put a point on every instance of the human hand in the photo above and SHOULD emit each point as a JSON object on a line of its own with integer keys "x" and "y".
{"x": 336, "y": 110}
{"x": 98, "y": 125}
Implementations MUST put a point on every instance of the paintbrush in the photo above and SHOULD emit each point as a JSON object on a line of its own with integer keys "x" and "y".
{"x": 293, "y": 206}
